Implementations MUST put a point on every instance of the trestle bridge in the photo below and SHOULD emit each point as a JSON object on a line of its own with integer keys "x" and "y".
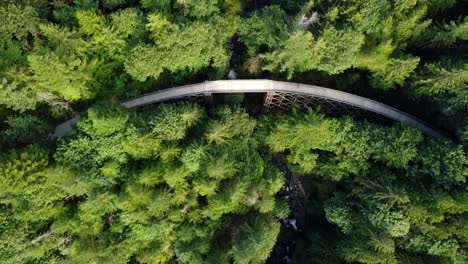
{"x": 279, "y": 95}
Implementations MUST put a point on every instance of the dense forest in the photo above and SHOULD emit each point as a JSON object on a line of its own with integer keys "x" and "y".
{"x": 186, "y": 183}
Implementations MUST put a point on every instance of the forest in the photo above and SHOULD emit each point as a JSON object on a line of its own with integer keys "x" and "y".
{"x": 183, "y": 182}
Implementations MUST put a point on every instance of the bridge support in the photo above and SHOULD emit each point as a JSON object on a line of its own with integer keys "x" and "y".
{"x": 281, "y": 101}
{"x": 208, "y": 98}
{"x": 275, "y": 101}
{"x": 202, "y": 98}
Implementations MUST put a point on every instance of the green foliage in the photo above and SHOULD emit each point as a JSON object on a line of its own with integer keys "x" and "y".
{"x": 229, "y": 126}
{"x": 368, "y": 35}
{"x": 187, "y": 49}
{"x": 62, "y": 39}
{"x": 267, "y": 28}
{"x": 112, "y": 4}
{"x": 396, "y": 72}
{"x": 382, "y": 216}
{"x": 173, "y": 182}
{"x": 17, "y": 23}
{"x": 395, "y": 146}
{"x": 155, "y": 191}
{"x": 333, "y": 52}
{"x": 105, "y": 119}
{"x": 338, "y": 213}
{"x": 20, "y": 170}
{"x": 295, "y": 55}
{"x": 256, "y": 239}
{"x": 234, "y": 6}
{"x": 73, "y": 63}
{"x": 445, "y": 163}
{"x": 172, "y": 122}
{"x": 336, "y": 50}
{"x": 200, "y": 8}
{"x": 67, "y": 76}
{"x": 435, "y": 79}
{"x": 129, "y": 22}
{"x": 9, "y": 54}
{"x": 103, "y": 40}
{"x": 449, "y": 33}
{"x": 302, "y": 137}
{"x": 26, "y": 128}
{"x": 157, "y": 5}
{"x": 398, "y": 192}
{"x": 446, "y": 82}
{"x": 438, "y": 5}
{"x": 16, "y": 99}
{"x": 178, "y": 183}
{"x": 28, "y": 203}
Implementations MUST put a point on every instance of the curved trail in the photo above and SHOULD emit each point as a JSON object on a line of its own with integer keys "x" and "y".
{"x": 265, "y": 86}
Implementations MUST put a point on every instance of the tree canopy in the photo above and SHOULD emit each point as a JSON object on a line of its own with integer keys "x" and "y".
{"x": 184, "y": 183}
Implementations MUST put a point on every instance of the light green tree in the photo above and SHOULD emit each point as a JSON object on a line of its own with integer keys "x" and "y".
{"x": 70, "y": 77}
{"x": 15, "y": 98}
{"x": 296, "y": 55}
{"x": 256, "y": 238}
{"x": 187, "y": 49}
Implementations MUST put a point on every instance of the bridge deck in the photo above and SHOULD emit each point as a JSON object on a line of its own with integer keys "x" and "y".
{"x": 265, "y": 86}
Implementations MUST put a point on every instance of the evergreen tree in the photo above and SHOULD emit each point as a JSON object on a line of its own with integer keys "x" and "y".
{"x": 438, "y": 79}
{"x": 266, "y": 28}
{"x": 187, "y": 49}
{"x": 295, "y": 56}
{"x": 181, "y": 183}
{"x": 449, "y": 33}
{"x": 25, "y": 129}
{"x": 29, "y": 202}
{"x": 174, "y": 197}
{"x": 69, "y": 77}
{"x": 16, "y": 99}
{"x": 399, "y": 196}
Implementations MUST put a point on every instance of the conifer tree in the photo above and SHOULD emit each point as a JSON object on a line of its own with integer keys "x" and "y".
{"x": 16, "y": 99}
